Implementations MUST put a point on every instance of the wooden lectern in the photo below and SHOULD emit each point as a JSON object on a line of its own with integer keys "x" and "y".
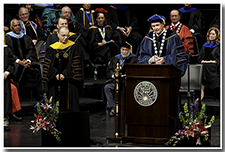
{"x": 147, "y": 103}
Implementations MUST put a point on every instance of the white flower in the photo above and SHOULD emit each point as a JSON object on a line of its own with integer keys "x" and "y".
{"x": 50, "y": 100}
{"x": 207, "y": 126}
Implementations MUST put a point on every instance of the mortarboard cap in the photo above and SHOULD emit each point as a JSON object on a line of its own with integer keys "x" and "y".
{"x": 100, "y": 10}
{"x": 127, "y": 45}
{"x": 157, "y": 18}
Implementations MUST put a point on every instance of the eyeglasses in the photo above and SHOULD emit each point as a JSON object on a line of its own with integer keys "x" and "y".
{"x": 67, "y": 12}
{"x": 64, "y": 35}
{"x": 25, "y": 14}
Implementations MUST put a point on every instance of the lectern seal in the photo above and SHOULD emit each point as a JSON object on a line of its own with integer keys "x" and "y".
{"x": 145, "y": 93}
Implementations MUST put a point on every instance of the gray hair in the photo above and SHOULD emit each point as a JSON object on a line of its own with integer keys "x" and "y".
{"x": 21, "y": 8}
{"x": 11, "y": 22}
{"x": 65, "y": 7}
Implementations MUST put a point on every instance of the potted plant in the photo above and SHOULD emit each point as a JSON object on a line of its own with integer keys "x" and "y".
{"x": 46, "y": 116}
{"x": 196, "y": 127}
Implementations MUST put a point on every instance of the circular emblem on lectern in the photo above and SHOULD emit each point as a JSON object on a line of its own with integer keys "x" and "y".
{"x": 145, "y": 93}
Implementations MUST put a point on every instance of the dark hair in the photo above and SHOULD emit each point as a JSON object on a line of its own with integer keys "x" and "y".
{"x": 62, "y": 17}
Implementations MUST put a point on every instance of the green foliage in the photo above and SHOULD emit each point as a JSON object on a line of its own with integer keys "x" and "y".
{"x": 46, "y": 117}
{"x": 194, "y": 124}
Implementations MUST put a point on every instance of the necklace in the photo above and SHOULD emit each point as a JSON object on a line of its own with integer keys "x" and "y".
{"x": 102, "y": 32}
{"x": 178, "y": 28}
{"x": 88, "y": 17}
{"x": 162, "y": 44}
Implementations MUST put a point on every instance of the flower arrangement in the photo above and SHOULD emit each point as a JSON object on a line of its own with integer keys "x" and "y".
{"x": 46, "y": 117}
{"x": 195, "y": 125}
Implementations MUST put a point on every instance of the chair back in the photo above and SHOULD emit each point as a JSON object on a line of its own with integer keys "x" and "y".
{"x": 195, "y": 77}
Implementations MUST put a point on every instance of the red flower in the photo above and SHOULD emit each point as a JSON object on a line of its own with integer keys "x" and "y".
{"x": 39, "y": 116}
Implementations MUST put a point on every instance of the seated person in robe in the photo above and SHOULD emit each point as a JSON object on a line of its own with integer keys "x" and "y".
{"x": 33, "y": 15}
{"x": 73, "y": 25}
{"x": 182, "y": 30}
{"x": 123, "y": 20}
{"x": 209, "y": 56}
{"x": 29, "y": 27}
{"x": 100, "y": 38}
{"x": 49, "y": 16}
{"x": 125, "y": 56}
{"x": 24, "y": 53}
{"x": 9, "y": 66}
{"x": 85, "y": 17}
{"x": 195, "y": 21}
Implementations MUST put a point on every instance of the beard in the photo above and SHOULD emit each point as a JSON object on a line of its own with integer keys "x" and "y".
{"x": 125, "y": 55}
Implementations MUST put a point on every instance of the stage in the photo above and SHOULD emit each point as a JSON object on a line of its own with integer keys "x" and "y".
{"x": 101, "y": 124}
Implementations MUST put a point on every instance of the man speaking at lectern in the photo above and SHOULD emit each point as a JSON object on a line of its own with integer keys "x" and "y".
{"x": 162, "y": 46}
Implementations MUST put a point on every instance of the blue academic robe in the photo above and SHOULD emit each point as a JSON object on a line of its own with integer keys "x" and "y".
{"x": 173, "y": 50}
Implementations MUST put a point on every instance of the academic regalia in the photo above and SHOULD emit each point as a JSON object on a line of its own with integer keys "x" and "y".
{"x": 173, "y": 50}
{"x": 73, "y": 26}
{"x": 9, "y": 65}
{"x": 34, "y": 17}
{"x": 72, "y": 36}
{"x": 15, "y": 99}
{"x": 216, "y": 21}
{"x": 22, "y": 47}
{"x": 33, "y": 30}
{"x": 48, "y": 17}
{"x": 71, "y": 68}
{"x": 96, "y": 35}
{"x": 132, "y": 58}
{"x": 211, "y": 71}
{"x": 54, "y": 38}
{"x": 185, "y": 36}
{"x": 193, "y": 19}
{"x": 108, "y": 94}
{"x": 85, "y": 19}
{"x": 124, "y": 16}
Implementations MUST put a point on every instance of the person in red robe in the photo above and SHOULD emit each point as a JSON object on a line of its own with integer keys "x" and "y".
{"x": 15, "y": 101}
{"x": 183, "y": 31}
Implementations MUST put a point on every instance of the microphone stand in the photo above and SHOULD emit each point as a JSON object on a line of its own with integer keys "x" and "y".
{"x": 188, "y": 66}
{"x": 188, "y": 56}
{"x": 60, "y": 69}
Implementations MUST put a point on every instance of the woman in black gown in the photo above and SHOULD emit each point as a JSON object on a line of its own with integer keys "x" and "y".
{"x": 100, "y": 38}
{"x": 209, "y": 56}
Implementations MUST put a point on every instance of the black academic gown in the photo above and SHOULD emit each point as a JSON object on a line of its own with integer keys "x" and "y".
{"x": 210, "y": 71}
{"x": 9, "y": 65}
{"x": 194, "y": 20}
{"x": 110, "y": 70}
{"x": 129, "y": 19}
{"x": 112, "y": 66}
{"x": 35, "y": 35}
{"x": 84, "y": 22}
{"x": 106, "y": 51}
{"x": 54, "y": 38}
{"x": 22, "y": 48}
{"x": 71, "y": 68}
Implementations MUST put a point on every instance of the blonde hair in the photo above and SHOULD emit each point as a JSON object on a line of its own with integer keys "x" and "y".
{"x": 217, "y": 34}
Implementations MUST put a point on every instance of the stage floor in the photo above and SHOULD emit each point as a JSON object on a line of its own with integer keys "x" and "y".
{"x": 101, "y": 126}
